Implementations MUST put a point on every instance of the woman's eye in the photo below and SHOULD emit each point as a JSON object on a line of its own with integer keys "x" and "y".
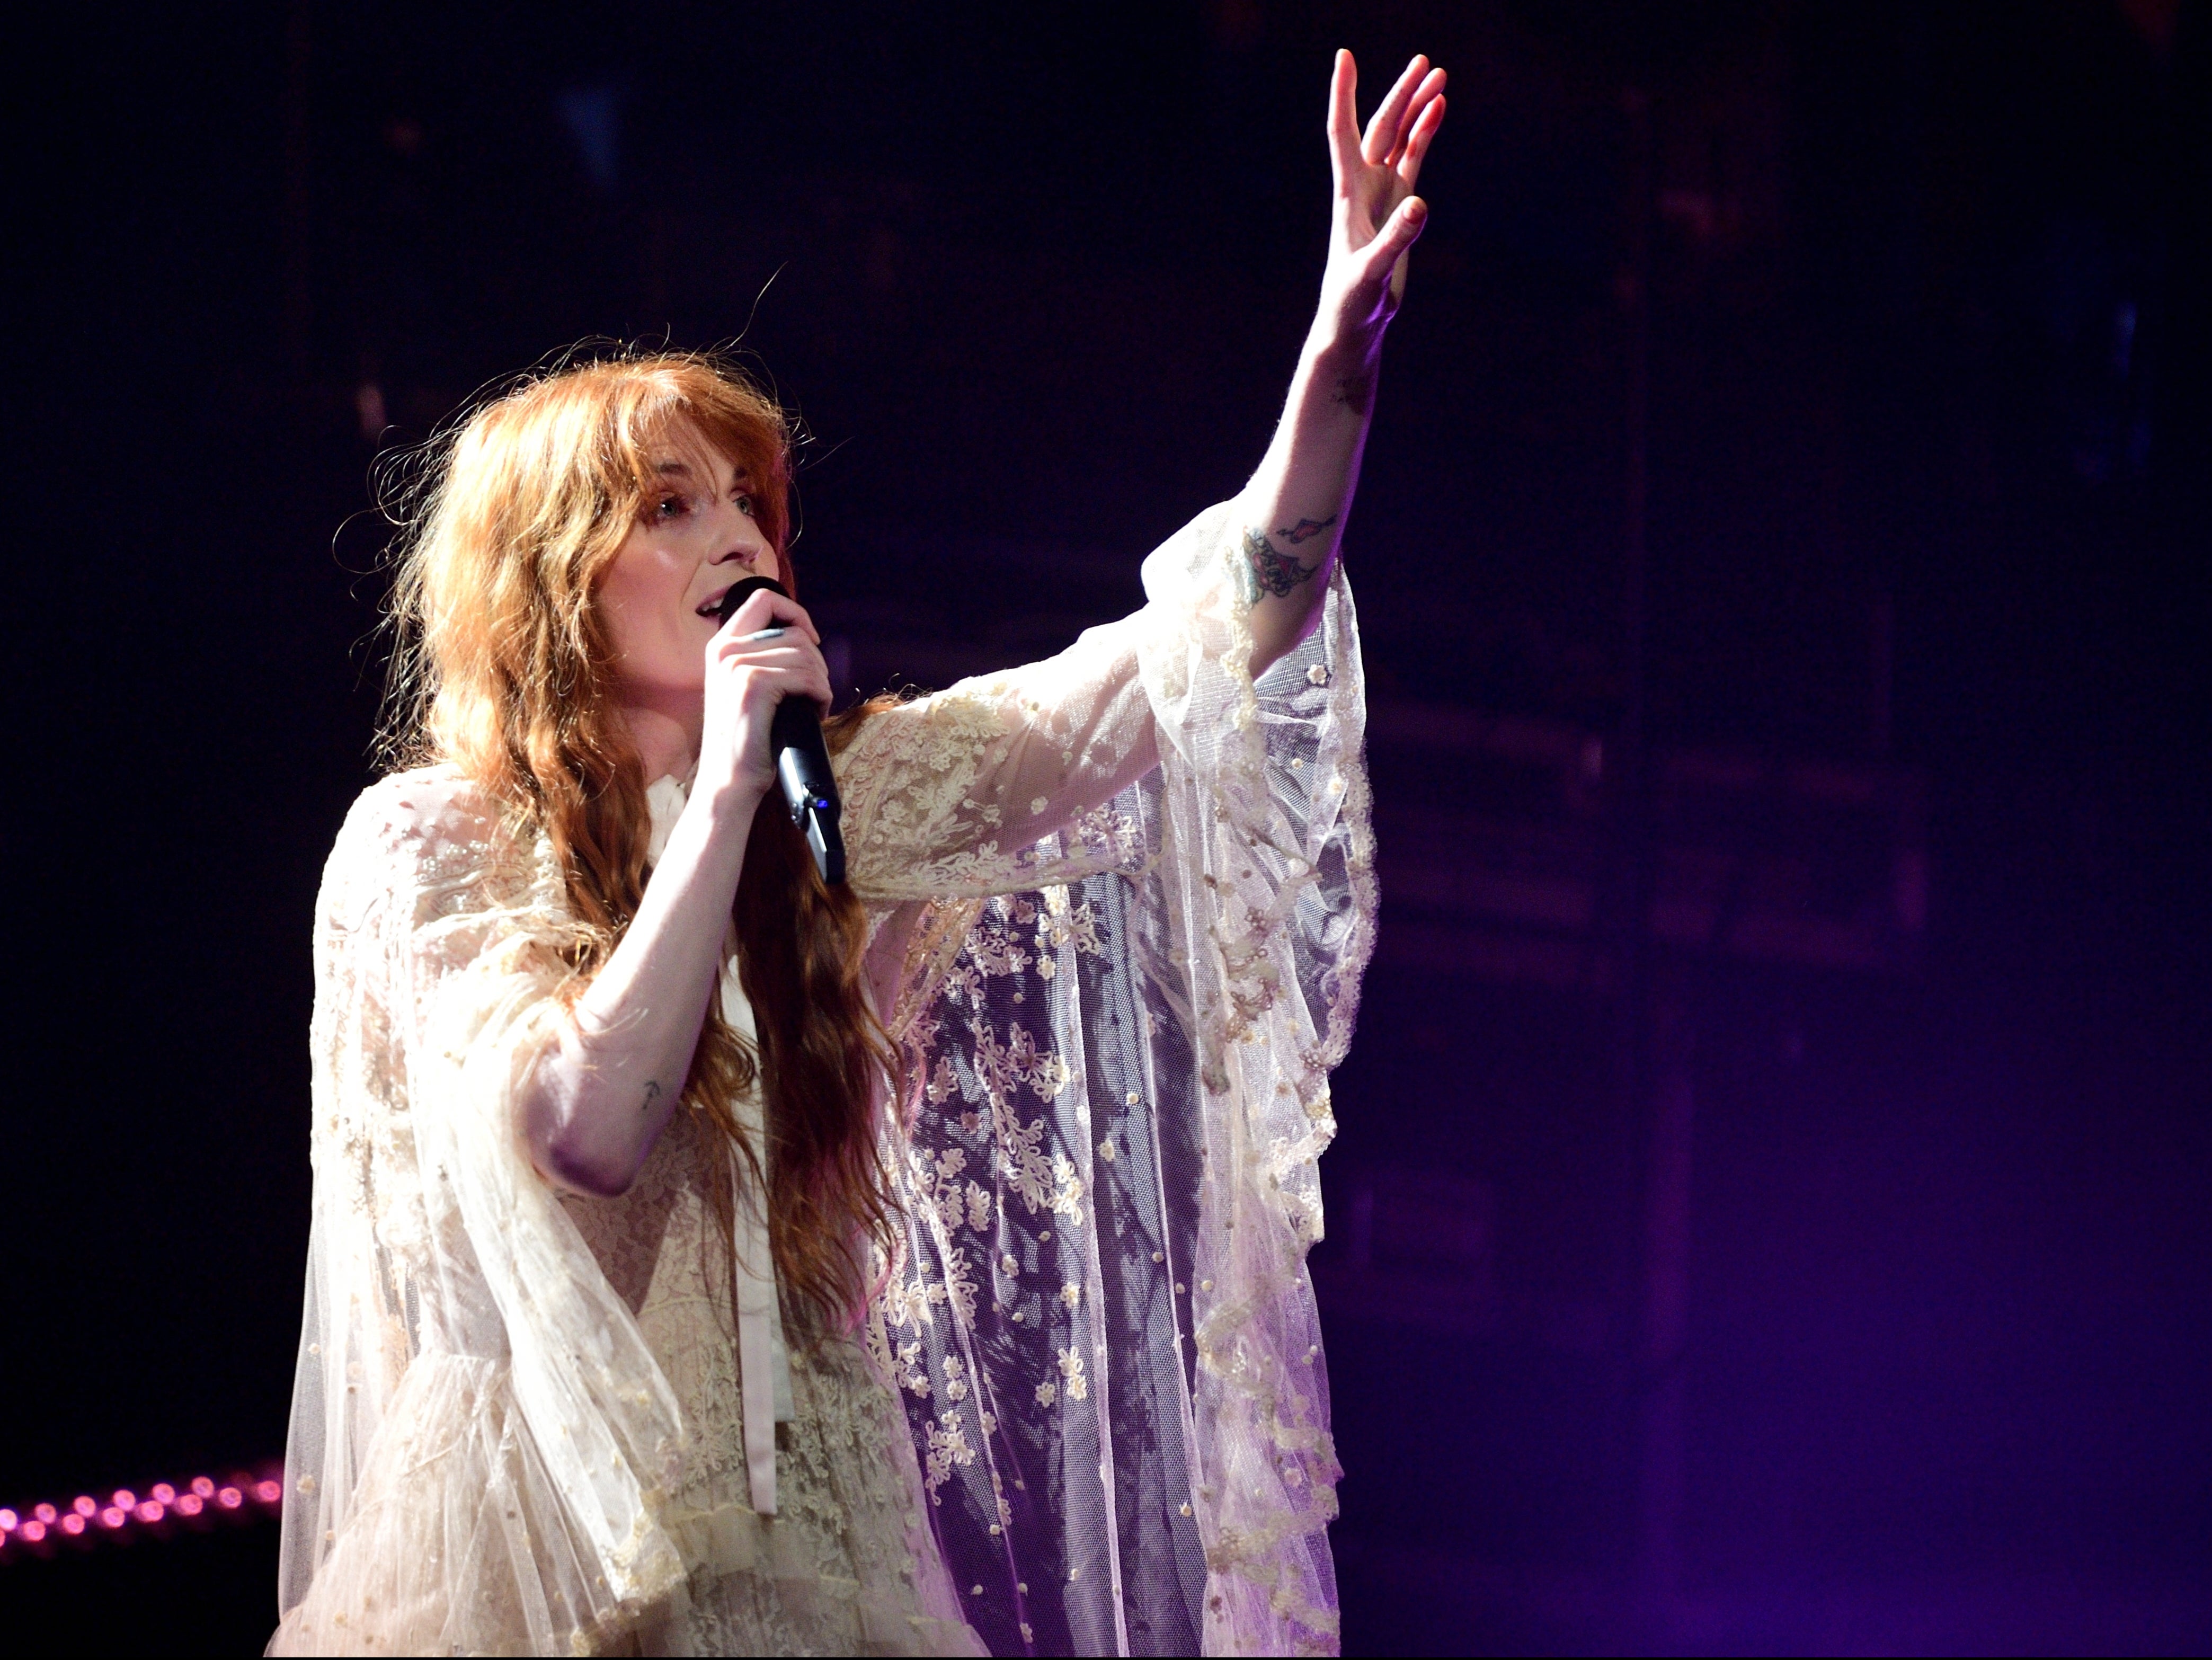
{"x": 745, "y": 506}
{"x": 670, "y": 506}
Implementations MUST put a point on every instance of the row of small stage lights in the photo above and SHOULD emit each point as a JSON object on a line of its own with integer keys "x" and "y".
{"x": 86, "y": 1516}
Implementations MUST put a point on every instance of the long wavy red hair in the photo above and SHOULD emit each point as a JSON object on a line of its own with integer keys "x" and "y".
{"x": 504, "y": 670}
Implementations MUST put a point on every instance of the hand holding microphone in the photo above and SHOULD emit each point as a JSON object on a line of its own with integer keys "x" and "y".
{"x": 800, "y": 758}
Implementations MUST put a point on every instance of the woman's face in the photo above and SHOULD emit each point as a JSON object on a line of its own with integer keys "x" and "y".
{"x": 695, "y": 540}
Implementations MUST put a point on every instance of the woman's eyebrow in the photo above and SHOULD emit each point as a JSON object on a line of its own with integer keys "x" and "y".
{"x": 740, "y": 481}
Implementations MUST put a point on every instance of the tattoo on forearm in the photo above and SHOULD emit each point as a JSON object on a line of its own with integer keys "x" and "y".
{"x": 1356, "y": 392}
{"x": 1275, "y": 572}
{"x": 652, "y": 1094}
{"x": 1305, "y": 530}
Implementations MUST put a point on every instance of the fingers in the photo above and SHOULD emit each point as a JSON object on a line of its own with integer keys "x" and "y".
{"x": 778, "y": 663}
{"x": 1400, "y": 232}
{"x": 768, "y": 648}
{"x": 1423, "y": 134}
{"x": 1424, "y": 98}
{"x": 1344, "y": 119}
{"x": 773, "y": 639}
{"x": 1382, "y": 131}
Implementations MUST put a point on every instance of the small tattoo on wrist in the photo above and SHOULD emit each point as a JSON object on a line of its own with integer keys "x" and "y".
{"x": 1355, "y": 392}
{"x": 1273, "y": 573}
{"x": 1305, "y": 530}
{"x": 652, "y": 1094}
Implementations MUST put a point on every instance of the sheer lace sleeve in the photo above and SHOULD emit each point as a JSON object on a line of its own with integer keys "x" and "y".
{"x": 479, "y": 1434}
{"x": 1138, "y": 897}
{"x": 998, "y": 781}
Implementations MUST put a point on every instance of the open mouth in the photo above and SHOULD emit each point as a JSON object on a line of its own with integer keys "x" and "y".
{"x": 712, "y": 608}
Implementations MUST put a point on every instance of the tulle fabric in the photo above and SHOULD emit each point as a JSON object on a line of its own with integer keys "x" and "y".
{"x": 516, "y": 1424}
{"x": 1120, "y": 1036}
{"x": 1121, "y": 900}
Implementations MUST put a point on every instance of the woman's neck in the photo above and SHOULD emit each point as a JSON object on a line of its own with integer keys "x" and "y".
{"x": 665, "y": 728}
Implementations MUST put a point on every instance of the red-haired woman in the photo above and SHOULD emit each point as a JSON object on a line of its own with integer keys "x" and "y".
{"x": 709, "y": 1259}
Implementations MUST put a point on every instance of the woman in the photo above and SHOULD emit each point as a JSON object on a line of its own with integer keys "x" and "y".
{"x": 705, "y": 1259}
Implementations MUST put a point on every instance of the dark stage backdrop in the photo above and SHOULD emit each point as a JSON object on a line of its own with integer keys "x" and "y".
{"x": 1821, "y": 1265}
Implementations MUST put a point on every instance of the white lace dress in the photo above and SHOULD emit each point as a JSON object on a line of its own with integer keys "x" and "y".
{"x": 1121, "y": 901}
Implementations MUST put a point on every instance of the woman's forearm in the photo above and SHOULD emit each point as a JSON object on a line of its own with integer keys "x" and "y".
{"x": 1292, "y": 515}
{"x": 600, "y": 1098}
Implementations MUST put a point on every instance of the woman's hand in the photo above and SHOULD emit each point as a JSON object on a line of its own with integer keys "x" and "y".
{"x": 768, "y": 650}
{"x": 1292, "y": 513}
{"x": 1377, "y": 217}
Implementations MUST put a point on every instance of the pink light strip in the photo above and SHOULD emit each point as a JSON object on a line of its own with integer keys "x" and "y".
{"x": 124, "y": 1508}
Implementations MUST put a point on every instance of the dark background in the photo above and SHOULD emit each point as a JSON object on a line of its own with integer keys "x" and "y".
{"x": 1919, "y": 297}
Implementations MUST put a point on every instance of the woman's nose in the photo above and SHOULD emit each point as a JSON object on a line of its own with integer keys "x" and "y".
{"x": 745, "y": 545}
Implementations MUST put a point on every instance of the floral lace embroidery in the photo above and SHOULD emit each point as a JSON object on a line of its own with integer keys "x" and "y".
{"x": 1169, "y": 978}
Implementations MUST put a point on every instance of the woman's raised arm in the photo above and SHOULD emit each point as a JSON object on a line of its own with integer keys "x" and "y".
{"x": 947, "y": 797}
{"x": 1293, "y": 511}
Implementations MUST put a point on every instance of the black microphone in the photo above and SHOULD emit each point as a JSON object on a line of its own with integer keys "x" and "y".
{"x": 802, "y": 761}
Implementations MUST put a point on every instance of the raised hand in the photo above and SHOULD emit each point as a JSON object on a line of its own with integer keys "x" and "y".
{"x": 1377, "y": 215}
{"x": 1293, "y": 511}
